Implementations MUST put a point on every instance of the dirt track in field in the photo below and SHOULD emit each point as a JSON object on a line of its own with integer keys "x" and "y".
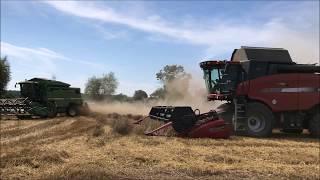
{"x": 108, "y": 147}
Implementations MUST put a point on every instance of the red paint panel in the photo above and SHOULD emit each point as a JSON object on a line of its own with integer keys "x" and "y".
{"x": 243, "y": 88}
{"x": 268, "y": 90}
{"x": 286, "y": 92}
{"x": 309, "y": 97}
{"x": 211, "y": 129}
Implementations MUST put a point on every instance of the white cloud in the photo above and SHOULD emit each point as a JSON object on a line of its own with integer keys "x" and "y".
{"x": 26, "y": 63}
{"x": 26, "y": 56}
{"x": 220, "y": 37}
{"x": 152, "y": 23}
{"x": 109, "y": 34}
{"x": 39, "y": 55}
{"x": 40, "y": 62}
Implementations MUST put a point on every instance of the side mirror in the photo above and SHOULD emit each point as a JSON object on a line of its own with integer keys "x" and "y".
{"x": 15, "y": 86}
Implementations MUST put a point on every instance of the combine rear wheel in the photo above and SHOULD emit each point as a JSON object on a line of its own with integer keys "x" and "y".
{"x": 314, "y": 125}
{"x": 260, "y": 120}
{"x": 73, "y": 111}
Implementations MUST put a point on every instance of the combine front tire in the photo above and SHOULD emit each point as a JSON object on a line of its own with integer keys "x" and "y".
{"x": 73, "y": 111}
{"x": 260, "y": 120}
{"x": 314, "y": 125}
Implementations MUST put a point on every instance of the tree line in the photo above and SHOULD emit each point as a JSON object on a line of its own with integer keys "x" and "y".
{"x": 104, "y": 87}
{"x": 5, "y": 75}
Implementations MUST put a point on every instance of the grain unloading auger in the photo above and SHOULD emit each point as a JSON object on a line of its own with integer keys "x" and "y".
{"x": 188, "y": 123}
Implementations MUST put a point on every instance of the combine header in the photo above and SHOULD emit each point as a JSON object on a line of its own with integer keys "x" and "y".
{"x": 188, "y": 123}
{"x": 44, "y": 98}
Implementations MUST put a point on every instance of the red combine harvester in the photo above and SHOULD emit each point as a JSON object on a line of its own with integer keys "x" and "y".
{"x": 263, "y": 89}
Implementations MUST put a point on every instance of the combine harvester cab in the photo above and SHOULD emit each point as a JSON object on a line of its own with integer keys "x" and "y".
{"x": 188, "y": 123}
{"x": 44, "y": 98}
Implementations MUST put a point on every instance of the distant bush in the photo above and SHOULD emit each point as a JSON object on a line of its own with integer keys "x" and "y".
{"x": 140, "y": 95}
{"x": 120, "y": 97}
{"x": 158, "y": 94}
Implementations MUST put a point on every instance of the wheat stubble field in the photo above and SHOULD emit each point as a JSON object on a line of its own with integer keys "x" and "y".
{"x": 107, "y": 146}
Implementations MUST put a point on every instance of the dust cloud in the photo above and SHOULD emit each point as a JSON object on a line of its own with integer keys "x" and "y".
{"x": 181, "y": 92}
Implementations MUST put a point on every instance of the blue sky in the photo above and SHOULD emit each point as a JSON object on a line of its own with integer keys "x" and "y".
{"x": 74, "y": 40}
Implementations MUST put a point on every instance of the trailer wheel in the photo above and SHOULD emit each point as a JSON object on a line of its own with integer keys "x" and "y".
{"x": 260, "y": 120}
{"x": 314, "y": 125}
{"x": 72, "y": 111}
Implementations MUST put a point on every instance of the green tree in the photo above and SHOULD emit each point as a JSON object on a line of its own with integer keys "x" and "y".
{"x": 158, "y": 93}
{"x": 140, "y": 95}
{"x": 109, "y": 84}
{"x": 92, "y": 88}
{"x": 5, "y": 74}
{"x": 171, "y": 72}
{"x": 175, "y": 82}
{"x": 99, "y": 88}
{"x": 120, "y": 97}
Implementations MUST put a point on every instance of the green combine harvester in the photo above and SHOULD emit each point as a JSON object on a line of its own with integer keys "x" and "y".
{"x": 44, "y": 98}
